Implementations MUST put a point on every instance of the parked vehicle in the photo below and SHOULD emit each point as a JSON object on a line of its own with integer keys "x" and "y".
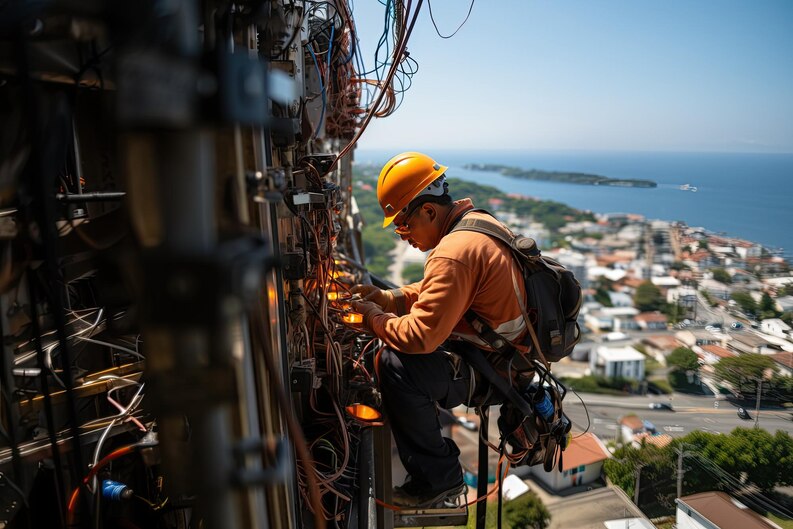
{"x": 661, "y": 406}
{"x": 736, "y": 325}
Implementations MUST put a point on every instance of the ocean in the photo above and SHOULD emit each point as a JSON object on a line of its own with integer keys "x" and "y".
{"x": 741, "y": 195}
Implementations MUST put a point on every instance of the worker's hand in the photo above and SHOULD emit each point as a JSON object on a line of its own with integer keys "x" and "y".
{"x": 373, "y": 294}
{"x": 368, "y": 310}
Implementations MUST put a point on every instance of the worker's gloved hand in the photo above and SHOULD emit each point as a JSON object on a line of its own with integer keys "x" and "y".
{"x": 373, "y": 294}
{"x": 368, "y": 310}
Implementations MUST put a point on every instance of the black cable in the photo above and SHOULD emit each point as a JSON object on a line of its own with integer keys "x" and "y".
{"x": 47, "y": 150}
{"x": 588, "y": 421}
{"x": 432, "y": 17}
{"x": 45, "y": 389}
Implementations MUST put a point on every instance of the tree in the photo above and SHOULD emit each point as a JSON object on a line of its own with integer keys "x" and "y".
{"x": 648, "y": 297}
{"x": 683, "y": 359}
{"x": 721, "y": 462}
{"x": 767, "y": 307}
{"x": 413, "y": 273}
{"x": 746, "y": 302}
{"x": 603, "y": 286}
{"x": 526, "y": 512}
{"x": 722, "y": 276}
{"x": 743, "y": 372}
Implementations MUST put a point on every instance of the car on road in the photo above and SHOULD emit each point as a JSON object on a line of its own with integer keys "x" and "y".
{"x": 736, "y": 325}
{"x": 661, "y": 406}
{"x": 743, "y": 414}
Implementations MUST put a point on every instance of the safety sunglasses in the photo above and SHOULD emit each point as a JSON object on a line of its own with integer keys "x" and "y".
{"x": 403, "y": 228}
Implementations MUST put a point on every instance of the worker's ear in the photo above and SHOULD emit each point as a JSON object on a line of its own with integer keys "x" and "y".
{"x": 431, "y": 212}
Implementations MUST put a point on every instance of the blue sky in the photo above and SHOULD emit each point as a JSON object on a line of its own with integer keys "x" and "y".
{"x": 671, "y": 75}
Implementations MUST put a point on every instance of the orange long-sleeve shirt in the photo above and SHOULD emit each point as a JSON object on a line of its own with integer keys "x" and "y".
{"x": 465, "y": 270}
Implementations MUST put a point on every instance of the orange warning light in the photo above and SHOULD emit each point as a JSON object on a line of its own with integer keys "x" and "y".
{"x": 363, "y": 413}
{"x": 333, "y": 296}
{"x": 352, "y": 317}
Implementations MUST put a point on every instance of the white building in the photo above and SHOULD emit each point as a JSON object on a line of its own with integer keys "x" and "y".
{"x": 685, "y": 295}
{"x": 717, "y": 510}
{"x": 623, "y": 318}
{"x": 620, "y": 299}
{"x": 625, "y": 362}
{"x": 582, "y": 463}
{"x": 784, "y": 304}
{"x": 576, "y": 263}
{"x": 775, "y": 327}
{"x": 715, "y": 288}
{"x": 665, "y": 281}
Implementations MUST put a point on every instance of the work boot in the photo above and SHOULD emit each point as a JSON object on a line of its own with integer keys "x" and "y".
{"x": 413, "y": 494}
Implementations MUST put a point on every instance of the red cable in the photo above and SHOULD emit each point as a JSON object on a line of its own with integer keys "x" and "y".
{"x": 124, "y": 450}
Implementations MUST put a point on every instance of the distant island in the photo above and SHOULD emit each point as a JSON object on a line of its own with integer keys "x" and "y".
{"x": 559, "y": 176}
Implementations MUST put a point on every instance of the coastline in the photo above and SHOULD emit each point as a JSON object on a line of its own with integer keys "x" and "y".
{"x": 744, "y": 195}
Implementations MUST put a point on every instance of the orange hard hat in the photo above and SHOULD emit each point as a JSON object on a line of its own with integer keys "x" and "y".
{"x": 405, "y": 177}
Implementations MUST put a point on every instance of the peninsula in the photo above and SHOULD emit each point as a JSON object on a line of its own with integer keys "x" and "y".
{"x": 559, "y": 176}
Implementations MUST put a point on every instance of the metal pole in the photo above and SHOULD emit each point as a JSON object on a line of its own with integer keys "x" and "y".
{"x": 481, "y": 486}
{"x": 680, "y": 472}
{"x": 757, "y": 406}
{"x": 638, "y": 484}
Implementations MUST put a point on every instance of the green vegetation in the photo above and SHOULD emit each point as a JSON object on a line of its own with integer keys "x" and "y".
{"x": 683, "y": 359}
{"x": 685, "y": 374}
{"x": 524, "y": 512}
{"x": 722, "y": 276}
{"x": 744, "y": 368}
{"x": 708, "y": 298}
{"x": 413, "y": 273}
{"x": 661, "y": 384}
{"x": 746, "y": 302}
{"x": 648, "y": 297}
{"x": 784, "y": 523}
{"x": 767, "y": 307}
{"x": 761, "y": 458}
{"x": 744, "y": 372}
{"x": 601, "y": 384}
{"x": 378, "y": 242}
{"x": 602, "y": 288}
{"x": 558, "y": 176}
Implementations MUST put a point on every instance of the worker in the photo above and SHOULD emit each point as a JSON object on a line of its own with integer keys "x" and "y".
{"x": 465, "y": 270}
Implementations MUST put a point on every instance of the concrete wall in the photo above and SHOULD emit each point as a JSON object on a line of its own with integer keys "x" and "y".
{"x": 688, "y": 519}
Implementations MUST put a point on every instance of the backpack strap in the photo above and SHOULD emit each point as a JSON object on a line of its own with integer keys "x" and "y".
{"x": 498, "y": 231}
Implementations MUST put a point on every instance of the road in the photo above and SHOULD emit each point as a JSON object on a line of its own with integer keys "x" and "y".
{"x": 691, "y": 413}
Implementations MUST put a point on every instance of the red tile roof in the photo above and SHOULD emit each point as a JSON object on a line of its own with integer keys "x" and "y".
{"x": 583, "y": 450}
{"x": 661, "y": 341}
{"x": 658, "y": 440}
{"x": 651, "y": 317}
{"x": 633, "y": 422}
{"x": 786, "y": 359}
{"x": 717, "y": 350}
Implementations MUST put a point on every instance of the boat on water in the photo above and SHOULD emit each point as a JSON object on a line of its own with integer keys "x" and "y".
{"x": 688, "y": 187}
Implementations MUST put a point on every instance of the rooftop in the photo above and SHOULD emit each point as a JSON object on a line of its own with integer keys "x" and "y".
{"x": 652, "y": 317}
{"x": 661, "y": 341}
{"x": 717, "y": 350}
{"x": 786, "y": 359}
{"x": 660, "y": 440}
{"x": 725, "y": 512}
{"x": 584, "y": 450}
{"x": 619, "y": 354}
{"x": 633, "y": 422}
